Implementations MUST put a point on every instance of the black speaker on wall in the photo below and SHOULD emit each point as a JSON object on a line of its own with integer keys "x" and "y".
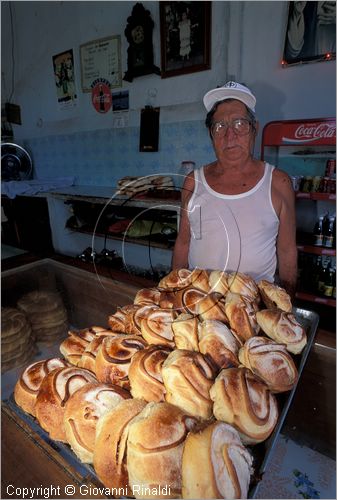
{"x": 149, "y": 129}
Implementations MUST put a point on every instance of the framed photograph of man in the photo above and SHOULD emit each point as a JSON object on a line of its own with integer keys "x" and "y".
{"x": 185, "y": 30}
{"x": 310, "y": 33}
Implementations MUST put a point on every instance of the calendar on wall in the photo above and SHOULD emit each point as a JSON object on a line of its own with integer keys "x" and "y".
{"x": 101, "y": 59}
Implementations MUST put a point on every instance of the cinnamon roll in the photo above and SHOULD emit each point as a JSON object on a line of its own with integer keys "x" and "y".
{"x": 185, "y": 332}
{"x": 243, "y": 285}
{"x": 156, "y": 327}
{"x": 74, "y": 345}
{"x": 241, "y": 313}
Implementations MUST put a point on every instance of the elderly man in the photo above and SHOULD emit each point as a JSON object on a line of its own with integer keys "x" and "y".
{"x": 238, "y": 213}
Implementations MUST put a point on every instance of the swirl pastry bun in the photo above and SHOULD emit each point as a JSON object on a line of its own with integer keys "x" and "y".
{"x": 81, "y": 414}
{"x": 145, "y": 377}
{"x": 110, "y": 451}
{"x": 218, "y": 282}
{"x": 185, "y": 332}
{"x": 147, "y": 296}
{"x": 156, "y": 327}
{"x": 212, "y": 306}
{"x": 155, "y": 446}
{"x": 241, "y": 313}
{"x": 283, "y": 328}
{"x": 28, "y": 385}
{"x": 114, "y": 357}
{"x": 217, "y": 341}
{"x": 270, "y": 362}
{"x": 88, "y": 358}
{"x": 55, "y": 390}
{"x": 74, "y": 345}
{"x": 242, "y": 400}
{"x": 188, "y": 377}
{"x": 215, "y": 464}
{"x": 122, "y": 320}
{"x": 243, "y": 285}
{"x": 187, "y": 300}
{"x": 178, "y": 279}
{"x": 274, "y": 296}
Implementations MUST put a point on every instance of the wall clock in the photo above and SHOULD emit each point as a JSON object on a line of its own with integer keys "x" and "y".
{"x": 138, "y": 33}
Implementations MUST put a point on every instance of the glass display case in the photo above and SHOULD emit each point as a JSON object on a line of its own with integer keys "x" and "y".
{"x": 306, "y": 150}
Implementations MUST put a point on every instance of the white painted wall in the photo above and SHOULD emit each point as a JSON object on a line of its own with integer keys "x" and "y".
{"x": 247, "y": 43}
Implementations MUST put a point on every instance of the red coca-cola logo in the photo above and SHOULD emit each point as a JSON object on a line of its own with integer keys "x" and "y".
{"x": 307, "y": 132}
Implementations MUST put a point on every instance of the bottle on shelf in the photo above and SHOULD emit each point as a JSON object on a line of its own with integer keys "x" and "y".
{"x": 316, "y": 271}
{"x": 322, "y": 278}
{"x": 329, "y": 283}
{"x": 318, "y": 232}
{"x": 329, "y": 234}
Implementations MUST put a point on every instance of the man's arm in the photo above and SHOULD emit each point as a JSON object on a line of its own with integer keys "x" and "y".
{"x": 182, "y": 244}
{"x": 286, "y": 240}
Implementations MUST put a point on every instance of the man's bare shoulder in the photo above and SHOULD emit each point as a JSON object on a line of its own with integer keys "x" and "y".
{"x": 281, "y": 181}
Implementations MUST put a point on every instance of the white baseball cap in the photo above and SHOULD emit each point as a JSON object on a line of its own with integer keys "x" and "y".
{"x": 231, "y": 90}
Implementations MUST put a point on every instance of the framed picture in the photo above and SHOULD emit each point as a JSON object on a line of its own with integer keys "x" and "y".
{"x": 310, "y": 33}
{"x": 185, "y": 30}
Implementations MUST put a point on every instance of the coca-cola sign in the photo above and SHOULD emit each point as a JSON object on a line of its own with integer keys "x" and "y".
{"x": 307, "y": 132}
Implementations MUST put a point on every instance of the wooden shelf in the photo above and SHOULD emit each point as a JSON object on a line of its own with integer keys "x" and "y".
{"x": 316, "y": 196}
{"x": 137, "y": 241}
{"x": 315, "y": 298}
{"x": 316, "y": 250}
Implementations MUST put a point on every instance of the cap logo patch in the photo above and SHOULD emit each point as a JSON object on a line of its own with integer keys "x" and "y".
{"x": 231, "y": 84}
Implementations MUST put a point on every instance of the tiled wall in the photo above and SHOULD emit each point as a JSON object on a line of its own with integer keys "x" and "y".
{"x": 101, "y": 157}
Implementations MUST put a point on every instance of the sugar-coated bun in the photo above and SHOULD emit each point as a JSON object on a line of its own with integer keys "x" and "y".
{"x": 283, "y": 328}
{"x": 82, "y": 411}
{"x": 242, "y": 400}
{"x": 110, "y": 451}
{"x": 145, "y": 377}
{"x": 155, "y": 447}
{"x": 74, "y": 345}
{"x": 55, "y": 390}
{"x": 274, "y": 296}
{"x": 215, "y": 464}
{"x": 241, "y": 313}
{"x": 269, "y": 361}
{"x": 114, "y": 357}
{"x": 28, "y": 385}
{"x": 185, "y": 331}
{"x": 188, "y": 377}
{"x": 218, "y": 281}
{"x": 217, "y": 341}
{"x": 156, "y": 327}
{"x": 244, "y": 285}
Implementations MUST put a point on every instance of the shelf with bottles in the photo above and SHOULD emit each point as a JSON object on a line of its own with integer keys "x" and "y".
{"x": 316, "y": 196}
{"x": 317, "y": 279}
{"x": 305, "y": 243}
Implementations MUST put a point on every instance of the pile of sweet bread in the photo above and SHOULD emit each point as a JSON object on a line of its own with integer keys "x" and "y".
{"x": 177, "y": 390}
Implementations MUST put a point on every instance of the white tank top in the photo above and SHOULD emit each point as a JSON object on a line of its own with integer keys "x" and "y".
{"x": 234, "y": 232}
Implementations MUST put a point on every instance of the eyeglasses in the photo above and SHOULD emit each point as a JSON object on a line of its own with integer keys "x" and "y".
{"x": 240, "y": 126}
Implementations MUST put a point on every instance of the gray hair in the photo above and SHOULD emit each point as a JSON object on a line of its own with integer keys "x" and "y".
{"x": 210, "y": 114}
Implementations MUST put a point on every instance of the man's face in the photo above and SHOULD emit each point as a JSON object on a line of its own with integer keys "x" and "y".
{"x": 229, "y": 146}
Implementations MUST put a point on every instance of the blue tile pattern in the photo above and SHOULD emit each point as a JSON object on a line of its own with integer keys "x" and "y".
{"x": 101, "y": 157}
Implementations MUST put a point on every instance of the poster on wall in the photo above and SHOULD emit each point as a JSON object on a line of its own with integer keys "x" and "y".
{"x": 101, "y": 59}
{"x": 64, "y": 74}
{"x": 310, "y": 33}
